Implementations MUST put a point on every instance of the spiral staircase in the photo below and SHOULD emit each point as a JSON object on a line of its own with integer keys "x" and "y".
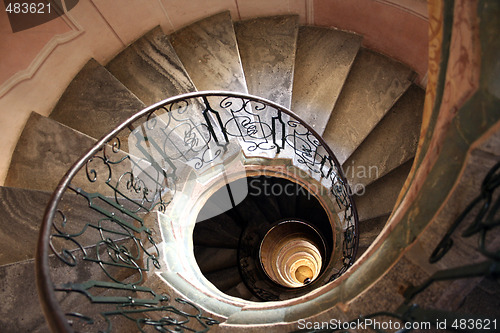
{"x": 363, "y": 104}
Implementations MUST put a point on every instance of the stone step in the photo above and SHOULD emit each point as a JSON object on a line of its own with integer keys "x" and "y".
{"x": 212, "y": 259}
{"x": 361, "y": 250}
{"x": 225, "y": 279}
{"x": 220, "y": 231}
{"x": 241, "y": 291}
{"x": 369, "y": 230}
{"x": 19, "y": 289}
{"x": 322, "y": 62}
{"x": 379, "y": 197}
{"x": 47, "y": 149}
{"x": 21, "y": 214}
{"x": 391, "y": 143}
{"x": 286, "y": 203}
{"x": 118, "y": 323}
{"x": 209, "y": 52}
{"x": 44, "y": 152}
{"x": 267, "y": 50}
{"x": 374, "y": 84}
{"x": 151, "y": 69}
{"x": 249, "y": 212}
{"x": 95, "y": 102}
{"x": 21, "y": 311}
{"x": 260, "y": 192}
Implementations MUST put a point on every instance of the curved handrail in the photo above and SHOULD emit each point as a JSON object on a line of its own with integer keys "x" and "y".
{"x": 257, "y": 125}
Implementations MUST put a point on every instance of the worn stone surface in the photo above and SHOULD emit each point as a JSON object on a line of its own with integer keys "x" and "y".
{"x": 287, "y": 204}
{"x": 464, "y": 249}
{"x": 95, "y": 102}
{"x": 225, "y": 279}
{"x": 159, "y": 285}
{"x": 208, "y": 50}
{"x": 211, "y": 259}
{"x": 391, "y": 143}
{"x": 484, "y": 300}
{"x": 151, "y": 69}
{"x": 267, "y": 50}
{"x": 380, "y": 196}
{"x": 369, "y": 230}
{"x": 241, "y": 291}
{"x": 44, "y": 152}
{"x": 374, "y": 84}
{"x": 391, "y": 286}
{"x": 221, "y": 231}
{"x": 47, "y": 149}
{"x": 21, "y": 310}
{"x": 21, "y": 214}
{"x": 322, "y": 62}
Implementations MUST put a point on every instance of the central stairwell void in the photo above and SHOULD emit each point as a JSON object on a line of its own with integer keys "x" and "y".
{"x": 273, "y": 245}
{"x": 220, "y": 195}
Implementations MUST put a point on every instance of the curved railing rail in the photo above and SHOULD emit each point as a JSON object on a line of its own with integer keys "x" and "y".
{"x": 102, "y": 257}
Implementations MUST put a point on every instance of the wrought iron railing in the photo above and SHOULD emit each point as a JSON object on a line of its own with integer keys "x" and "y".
{"x": 92, "y": 267}
{"x": 483, "y": 214}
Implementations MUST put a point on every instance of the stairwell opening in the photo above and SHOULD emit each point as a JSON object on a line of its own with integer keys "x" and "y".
{"x": 274, "y": 242}
{"x": 291, "y": 253}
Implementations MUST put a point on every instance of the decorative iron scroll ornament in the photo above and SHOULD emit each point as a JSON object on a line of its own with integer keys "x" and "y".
{"x": 136, "y": 170}
{"x": 485, "y": 222}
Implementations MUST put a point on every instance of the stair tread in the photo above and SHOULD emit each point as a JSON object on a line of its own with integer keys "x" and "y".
{"x": 241, "y": 291}
{"x": 374, "y": 84}
{"x": 44, "y": 152}
{"x": 380, "y": 196}
{"x": 370, "y": 229}
{"x": 211, "y": 259}
{"x": 260, "y": 192}
{"x": 150, "y": 68}
{"x": 47, "y": 149}
{"x": 287, "y": 204}
{"x": 24, "y": 210}
{"x": 322, "y": 62}
{"x": 20, "y": 291}
{"x": 95, "y": 102}
{"x": 391, "y": 143}
{"x": 220, "y": 231}
{"x": 251, "y": 213}
{"x": 209, "y": 52}
{"x": 360, "y": 251}
{"x": 120, "y": 323}
{"x": 225, "y": 279}
{"x": 267, "y": 50}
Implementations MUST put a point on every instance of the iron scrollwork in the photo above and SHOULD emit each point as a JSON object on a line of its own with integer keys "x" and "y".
{"x": 136, "y": 170}
{"x": 484, "y": 210}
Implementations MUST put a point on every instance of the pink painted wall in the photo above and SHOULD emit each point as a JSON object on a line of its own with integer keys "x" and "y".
{"x": 17, "y": 50}
{"x": 400, "y": 33}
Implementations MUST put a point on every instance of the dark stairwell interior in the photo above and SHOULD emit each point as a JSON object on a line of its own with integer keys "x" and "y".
{"x": 230, "y": 248}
